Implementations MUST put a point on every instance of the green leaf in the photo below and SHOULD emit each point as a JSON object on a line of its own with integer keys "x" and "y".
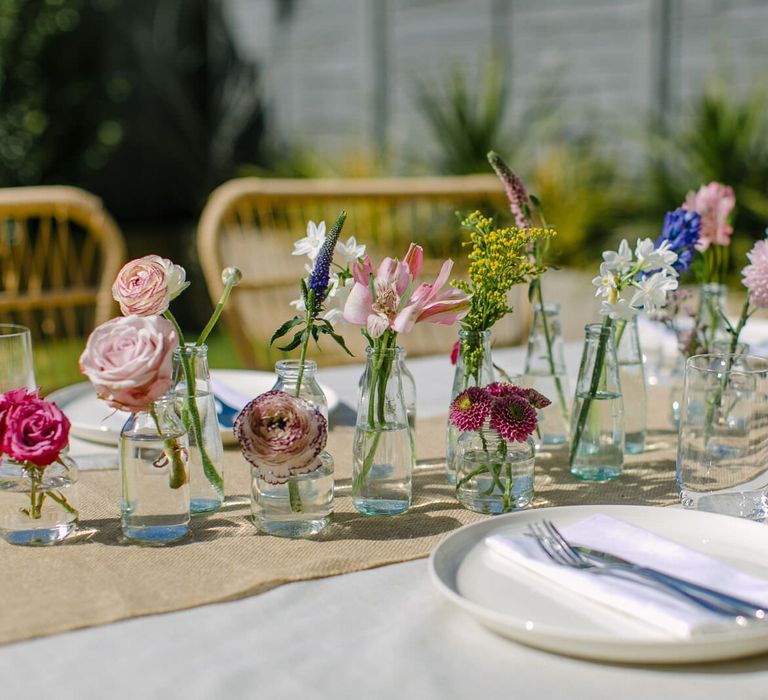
{"x": 280, "y": 332}
{"x": 339, "y": 340}
{"x": 298, "y": 339}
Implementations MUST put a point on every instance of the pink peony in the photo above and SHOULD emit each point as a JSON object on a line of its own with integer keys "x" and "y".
{"x": 281, "y": 435}
{"x": 756, "y": 274}
{"x": 145, "y": 286}
{"x": 714, "y": 203}
{"x": 470, "y": 409}
{"x": 128, "y": 360}
{"x": 513, "y": 418}
{"x": 32, "y": 430}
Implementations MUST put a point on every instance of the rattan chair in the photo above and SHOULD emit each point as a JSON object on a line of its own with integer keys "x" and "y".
{"x": 59, "y": 253}
{"x": 253, "y": 222}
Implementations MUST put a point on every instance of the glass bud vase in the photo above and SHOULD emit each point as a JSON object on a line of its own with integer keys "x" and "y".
{"x": 154, "y": 470}
{"x": 545, "y": 371}
{"x": 409, "y": 395}
{"x": 494, "y": 475}
{"x": 382, "y": 461}
{"x": 288, "y": 373}
{"x": 297, "y": 509}
{"x": 38, "y": 506}
{"x": 632, "y": 380}
{"x": 597, "y": 417}
{"x": 196, "y": 406}
{"x": 474, "y": 367}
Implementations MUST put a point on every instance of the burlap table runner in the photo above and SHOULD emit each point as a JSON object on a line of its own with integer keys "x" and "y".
{"x": 99, "y": 578}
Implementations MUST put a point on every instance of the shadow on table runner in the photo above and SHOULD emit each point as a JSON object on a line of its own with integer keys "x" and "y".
{"x": 99, "y": 578}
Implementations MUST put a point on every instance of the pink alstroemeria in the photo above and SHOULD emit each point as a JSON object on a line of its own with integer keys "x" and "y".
{"x": 384, "y": 308}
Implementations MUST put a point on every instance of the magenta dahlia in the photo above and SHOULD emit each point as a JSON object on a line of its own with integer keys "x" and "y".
{"x": 537, "y": 399}
{"x": 513, "y": 418}
{"x": 504, "y": 389}
{"x": 470, "y": 409}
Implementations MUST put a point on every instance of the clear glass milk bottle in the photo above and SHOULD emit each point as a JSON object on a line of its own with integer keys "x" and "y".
{"x": 197, "y": 407}
{"x": 474, "y": 367}
{"x": 291, "y": 372}
{"x": 154, "y": 475}
{"x": 597, "y": 417}
{"x": 382, "y": 459}
{"x": 545, "y": 371}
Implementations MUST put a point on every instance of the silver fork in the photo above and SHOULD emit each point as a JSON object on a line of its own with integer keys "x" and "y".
{"x": 557, "y": 548}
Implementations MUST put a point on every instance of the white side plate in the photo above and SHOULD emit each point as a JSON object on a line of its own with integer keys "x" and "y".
{"x": 542, "y": 614}
{"x": 94, "y": 421}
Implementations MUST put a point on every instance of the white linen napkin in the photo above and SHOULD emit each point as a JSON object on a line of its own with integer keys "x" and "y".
{"x": 665, "y": 611}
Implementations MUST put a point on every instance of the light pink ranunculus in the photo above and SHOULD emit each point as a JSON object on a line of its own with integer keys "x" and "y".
{"x": 281, "y": 435}
{"x": 145, "y": 286}
{"x": 33, "y": 430}
{"x": 714, "y": 203}
{"x": 128, "y": 360}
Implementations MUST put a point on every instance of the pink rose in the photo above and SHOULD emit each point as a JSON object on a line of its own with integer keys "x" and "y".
{"x": 145, "y": 286}
{"x": 714, "y": 203}
{"x": 128, "y": 360}
{"x": 281, "y": 435}
{"x": 33, "y": 430}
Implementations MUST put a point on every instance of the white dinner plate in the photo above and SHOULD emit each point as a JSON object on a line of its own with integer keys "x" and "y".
{"x": 94, "y": 421}
{"x": 537, "y": 612}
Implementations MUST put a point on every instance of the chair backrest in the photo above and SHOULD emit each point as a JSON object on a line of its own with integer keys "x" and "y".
{"x": 253, "y": 222}
{"x": 59, "y": 253}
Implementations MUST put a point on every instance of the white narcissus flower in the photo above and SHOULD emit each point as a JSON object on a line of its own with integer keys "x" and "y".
{"x": 350, "y": 250}
{"x": 619, "y": 260}
{"x": 311, "y": 244}
{"x": 605, "y": 281}
{"x": 652, "y": 291}
{"x": 619, "y": 310}
{"x": 649, "y": 257}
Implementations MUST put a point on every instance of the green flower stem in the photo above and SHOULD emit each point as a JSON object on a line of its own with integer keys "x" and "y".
{"x": 232, "y": 280}
{"x": 178, "y": 476}
{"x": 597, "y": 372}
{"x": 62, "y": 501}
{"x": 209, "y": 469}
{"x": 561, "y": 399}
{"x": 36, "y": 497}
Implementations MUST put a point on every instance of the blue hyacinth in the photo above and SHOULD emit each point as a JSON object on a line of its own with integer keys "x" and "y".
{"x": 321, "y": 273}
{"x": 681, "y": 228}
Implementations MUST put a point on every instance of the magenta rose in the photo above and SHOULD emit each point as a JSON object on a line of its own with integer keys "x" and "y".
{"x": 281, "y": 435}
{"x": 145, "y": 286}
{"x": 128, "y": 360}
{"x": 13, "y": 398}
{"x": 33, "y": 430}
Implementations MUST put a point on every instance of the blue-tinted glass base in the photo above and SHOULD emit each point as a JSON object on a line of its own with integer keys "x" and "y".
{"x": 634, "y": 447}
{"x": 596, "y": 473}
{"x": 291, "y": 528}
{"x": 374, "y": 506}
{"x": 39, "y": 537}
{"x": 553, "y": 439}
{"x": 156, "y": 534}
{"x": 204, "y": 505}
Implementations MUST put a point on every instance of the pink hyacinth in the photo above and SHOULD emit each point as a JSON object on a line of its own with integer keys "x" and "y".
{"x": 756, "y": 274}
{"x": 470, "y": 409}
{"x": 714, "y": 203}
{"x": 513, "y": 418}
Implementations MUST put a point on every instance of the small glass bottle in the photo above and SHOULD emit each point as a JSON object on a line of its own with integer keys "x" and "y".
{"x": 409, "y": 395}
{"x": 382, "y": 464}
{"x": 154, "y": 470}
{"x": 474, "y": 367}
{"x": 709, "y": 318}
{"x": 38, "y": 506}
{"x": 197, "y": 409}
{"x": 633, "y": 386}
{"x": 288, "y": 373}
{"x": 597, "y": 417}
{"x": 545, "y": 371}
{"x": 494, "y": 475}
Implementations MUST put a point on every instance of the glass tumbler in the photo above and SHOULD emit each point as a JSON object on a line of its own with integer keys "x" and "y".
{"x": 16, "y": 366}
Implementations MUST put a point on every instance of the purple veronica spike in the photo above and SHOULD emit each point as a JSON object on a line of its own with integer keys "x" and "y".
{"x": 318, "y": 280}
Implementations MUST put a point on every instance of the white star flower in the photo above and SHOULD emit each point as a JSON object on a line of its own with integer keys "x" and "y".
{"x": 620, "y": 310}
{"x": 652, "y": 291}
{"x": 350, "y": 250}
{"x": 652, "y": 258}
{"x": 605, "y": 281}
{"x": 310, "y": 246}
{"x": 620, "y": 259}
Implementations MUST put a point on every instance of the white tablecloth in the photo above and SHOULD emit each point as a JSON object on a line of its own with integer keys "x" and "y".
{"x": 384, "y": 633}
